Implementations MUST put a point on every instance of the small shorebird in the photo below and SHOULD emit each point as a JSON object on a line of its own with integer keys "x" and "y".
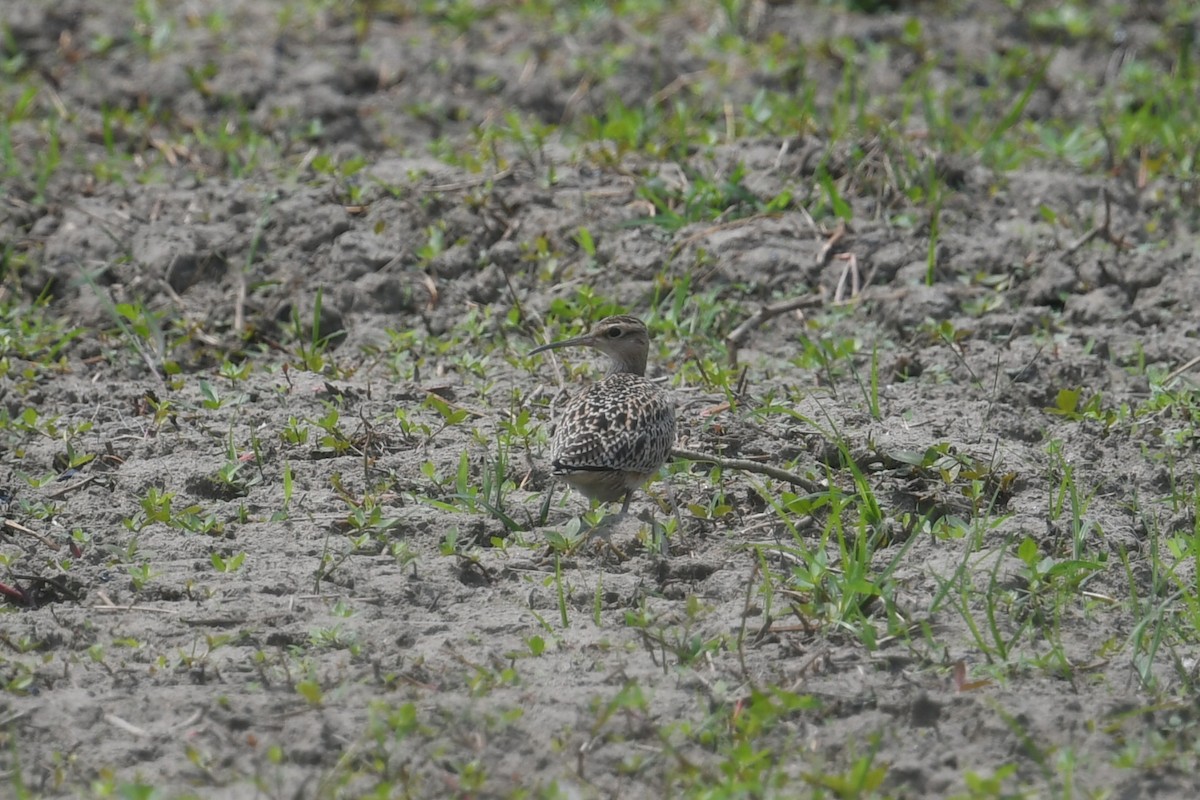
{"x": 618, "y": 432}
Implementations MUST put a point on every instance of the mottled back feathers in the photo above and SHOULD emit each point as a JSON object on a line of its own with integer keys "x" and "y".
{"x": 624, "y": 423}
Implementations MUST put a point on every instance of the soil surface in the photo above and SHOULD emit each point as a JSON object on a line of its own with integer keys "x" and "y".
{"x": 436, "y": 268}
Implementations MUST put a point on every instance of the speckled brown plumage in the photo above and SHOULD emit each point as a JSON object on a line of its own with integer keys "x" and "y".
{"x": 618, "y": 432}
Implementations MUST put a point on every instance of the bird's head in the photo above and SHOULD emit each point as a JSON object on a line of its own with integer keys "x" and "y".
{"x": 624, "y": 339}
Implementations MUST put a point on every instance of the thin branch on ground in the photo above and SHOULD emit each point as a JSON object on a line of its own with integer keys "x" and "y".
{"x": 1182, "y": 368}
{"x": 1103, "y": 230}
{"x": 769, "y": 311}
{"x": 745, "y": 465}
{"x": 826, "y": 252}
{"x": 13, "y": 525}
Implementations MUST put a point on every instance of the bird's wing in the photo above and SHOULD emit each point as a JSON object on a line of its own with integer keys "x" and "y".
{"x": 625, "y": 425}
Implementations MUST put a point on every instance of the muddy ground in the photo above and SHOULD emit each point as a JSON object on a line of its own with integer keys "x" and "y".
{"x": 136, "y": 660}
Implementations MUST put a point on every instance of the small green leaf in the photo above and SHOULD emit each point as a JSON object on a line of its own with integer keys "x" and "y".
{"x": 310, "y": 690}
{"x": 1027, "y": 551}
{"x": 462, "y": 479}
{"x": 586, "y": 243}
{"x": 1067, "y": 401}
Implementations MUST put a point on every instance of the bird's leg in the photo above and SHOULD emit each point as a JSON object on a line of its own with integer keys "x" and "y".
{"x": 657, "y": 541}
{"x": 664, "y": 545}
{"x": 604, "y": 531}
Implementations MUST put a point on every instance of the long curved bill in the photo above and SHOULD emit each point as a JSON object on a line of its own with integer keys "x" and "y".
{"x": 586, "y": 340}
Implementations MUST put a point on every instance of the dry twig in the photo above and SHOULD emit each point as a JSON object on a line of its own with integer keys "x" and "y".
{"x": 738, "y": 335}
{"x": 745, "y": 465}
{"x": 13, "y": 525}
{"x": 826, "y": 251}
{"x": 1104, "y": 230}
{"x": 1182, "y": 368}
{"x": 65, "y": 490}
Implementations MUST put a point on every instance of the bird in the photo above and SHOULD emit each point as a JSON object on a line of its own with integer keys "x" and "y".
{"x": 617, "y": 433}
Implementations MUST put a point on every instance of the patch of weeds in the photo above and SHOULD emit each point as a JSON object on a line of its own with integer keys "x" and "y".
{"x": 18, "y": 166}
{"x": 22, "y": 108}
{"x": 1169, "y": 414}
{"x": 1001, "y": 614}
{"x": 140, "y": 575}
{"x": 367, "y": 528}
{"x": 483, "y": 679}
{"x": 835, "y": 582}
{"x": 998, "y": 783}
{"x": 30, "y": 423}
{"x": 1166, "y": 603}
{"x": 675, "y": 641}
{"x": 32, "y": 342}
{"x": 832, "y": 355}
{"x": 366, "y": 515}
{"x": 295, "y": 432}
{"x": 1050, "y": 583}
{"x": 1150, "y": 124}
{"x": 576, "y": 532}
{"x": 226, "y": 565}
{"x": 198, "y": 657}
{"x": 987, "y": 122}
{"x": 310, "y": 689}
{"x": 411, "y": 428}
{"x": 391, "y": 730}
{"x": 584, "y": 306}
{"x": 952, "y": 338}
{"x": 545, "y": 260}
{"x": 336, "y": 637}
{"x": 861, "y": 778}
{"x": 350, "y": 192}
{"x": 435, "y": 244}
{"x": 401, "y": 356}
{"x": 157, "y": 507}
{"x": 480, "y": 155}
{"x": 630, "y": 704}
{"x": 226, "y": 144}
{"x": 488, "y": 496}
{"x": 994, "y": 636}
{"x": 587, "y": 245}
{"x": 697, "y": 321}
{"x": 452, "y": 416}
{"x": 142, "y": 332}
{"x": 620, "y": 130}
{"x": 1070, "y": 20}
{"x": 1071, "y": 404}
{"x": 332, "y": 440}
{"x": 1068, "y": 501}
{"x": 957, "y": 485}
{"x": 782, "y": 113}
{"x": 519, "y": 425}
{"x": 152, "y": 29}
{"x": 706, "y": 199}
{"x": 18, "y": 678}
{"x": 314, "y": 340}
{"x": 234, "y": 372}
{"x": 233, "y": 473}
{"x": 530, "y": 137}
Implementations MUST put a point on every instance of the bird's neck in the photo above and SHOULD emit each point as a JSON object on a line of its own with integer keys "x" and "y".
{"x": 632, "y": 366}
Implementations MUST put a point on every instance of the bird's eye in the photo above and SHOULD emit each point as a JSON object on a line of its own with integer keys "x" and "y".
{"x": 614, "y": 333}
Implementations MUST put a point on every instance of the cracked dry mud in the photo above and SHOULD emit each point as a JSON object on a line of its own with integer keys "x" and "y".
{"x": 199, "y": 673}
